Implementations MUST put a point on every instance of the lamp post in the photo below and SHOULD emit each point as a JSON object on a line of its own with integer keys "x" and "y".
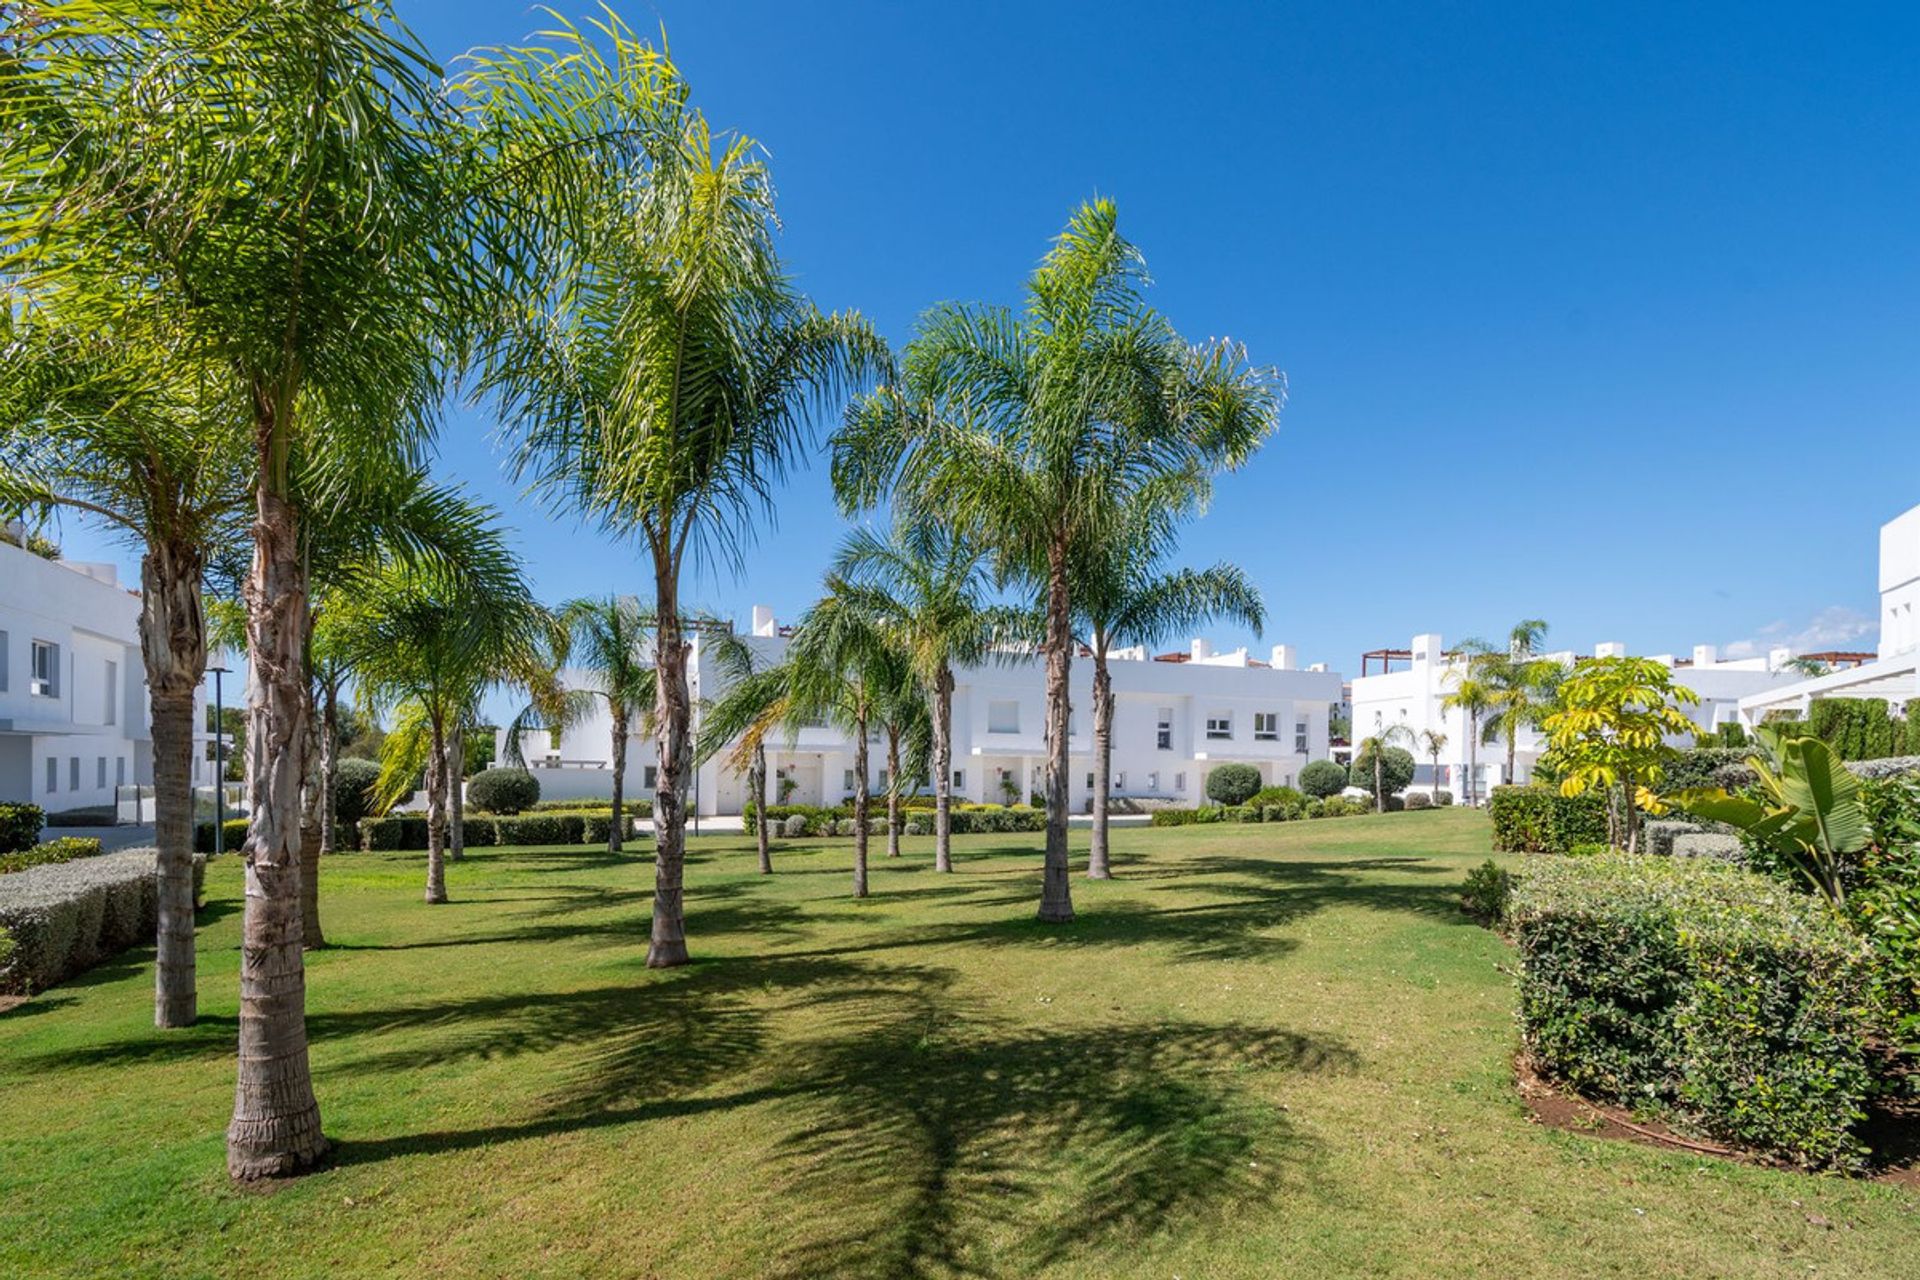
{"x": 219, "y": 765}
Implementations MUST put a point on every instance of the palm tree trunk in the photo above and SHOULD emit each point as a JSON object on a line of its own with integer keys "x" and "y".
{"x": 437, "y": 814}
{"x": 943, "y": 770}
{"x": 758, "y": 776}
{"x": 456, "y": 774}
{"x": 276, "y": 1120}
{"x": 1379, "y": 778}
{"x": 1098, "y": 865}
{"x": 173, "y": 646}
{"x": 313, "y": 803}
{"x": 668, "y": 946}
{"x": 1056, "y": 893}
{"x": 860, "y": 802}
{"x": 619, "y": 820}
{"x": 329, "y": 761}
{"x": 893, "y": 791}
{"x": 1472, "y": 787}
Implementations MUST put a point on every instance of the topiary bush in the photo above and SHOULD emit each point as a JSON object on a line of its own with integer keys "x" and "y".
{"x": 1267, "y": 796}
{"x": 503, "y": 791}
{"x": 1730, "y": 1000}
{"x": 20, "y": 826}
{"x": 1418, "y": 800}
{"x": 1443, "y": 798}
{"x": 233, "y": 836}
{"x": 1541, "y": 820}
{"x": 793, "y": 826}
{"x": 1323, "y": 778}
{"x": 353, "y": 780}
{"x": 1233, "y": 784}
{"x": 1396, "y": 770}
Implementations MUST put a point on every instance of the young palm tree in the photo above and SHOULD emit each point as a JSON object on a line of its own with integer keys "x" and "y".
{"x": 1433, "y": 742}
{"x": 659, "y": 367}
{"x": 1520, "y": 686}
{"x": 609, "y": 638}
{"x": 755, "y": 698}
{"x": 270, "y": 183}
{"x": 1471, "y": 695}
{"x": 1376, "y": 746}
{"x": 925, "y": 587}
{"x": 1045, "y": 425}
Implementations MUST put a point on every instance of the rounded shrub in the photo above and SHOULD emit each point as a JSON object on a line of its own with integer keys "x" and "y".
{"x": 1323, "y": 778}
{"x": 1419, "y": 800}
{"x": 1233, "y": 784}
{"x": 504, "y": 791}
{"x": 353, "y": 781}
{"x": 1268, "y": 796}
{"x": 793, "y": 826}
{"x": 1443, "y": 798}
{"x": 1396, "y": 770}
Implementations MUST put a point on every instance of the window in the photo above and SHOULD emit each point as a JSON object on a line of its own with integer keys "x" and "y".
{"x": 120, "y": 771}
{"x": 1300, "y": 735}
{"x": 113, "y": 695}
{"x": 1220, "y": 727}
{"x": 1180, "y": 782}
{"x": 1089, "y": 782}
{"x": 1120, "y": 780}
{"x": 1003, "y": 717}
{"x": 849, "y": 781}
{"x": 53, "y": 774}
{"x": 959, "y": 779}
{"x": 1163, "y": 730}
{"x": 1266, "y": 726}
{"x": 100, "y": 772}
{"x": 73, "y": 773}
{"x": 652, "y": 776}
{"x": 4, "y": 664}
{"x": 46, "y": 670}
{"x": 1153, "y": 782}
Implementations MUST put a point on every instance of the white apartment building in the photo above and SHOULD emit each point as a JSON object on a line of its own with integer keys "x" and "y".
{"x": 1413, "y": 696}
{"x": 1176, "y": 717}
{"x": 73, "y": 704}
{"x": 1893, "y": 672}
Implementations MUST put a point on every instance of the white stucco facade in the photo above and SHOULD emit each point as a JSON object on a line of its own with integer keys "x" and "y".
{"x": 73, "y": 707}
{"x": 1176, "y": 717}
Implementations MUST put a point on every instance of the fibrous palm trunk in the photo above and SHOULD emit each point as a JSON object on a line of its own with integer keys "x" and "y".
{"x": 437, "y": 815}
{"x": 943, "y": 770}
{"x": 173, "y": 647}
{"x": 1098, "y": 864}
{"x": 668, "y": 946}
{"x": 276, "y": 1120}
{"x": 757, "y": 779}
{"x": 860, "y": 804}
{"x": 1056, "y": 893}
{"x": 329, "y": 762}
{"x": 893, "y": 791}
{"x": 615, "y": 828}
{"x": 456, "y": 773}
{"x": 1379, "y": 778}
{"x": 313, "y": 801}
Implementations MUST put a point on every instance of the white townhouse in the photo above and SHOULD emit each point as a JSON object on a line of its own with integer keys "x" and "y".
{"x": 73, "y": 704}
{"x": 1427, "y": 674}
{"x": 1176, "y": 717}
{"x": 1892, "y": 673}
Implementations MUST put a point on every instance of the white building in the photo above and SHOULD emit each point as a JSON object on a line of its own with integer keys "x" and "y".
{"x": 1414, "y": 695}
{"x": 1893, "y": 673}
{"x": 73, "y": 706}
{"x": 1176, "y": 717}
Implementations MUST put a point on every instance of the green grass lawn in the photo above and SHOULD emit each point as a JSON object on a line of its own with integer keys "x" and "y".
{"x": 1261, "y": 1051}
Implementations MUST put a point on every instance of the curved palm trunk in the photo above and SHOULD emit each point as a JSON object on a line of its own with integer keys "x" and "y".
{"x": 329, "y": 762}
{"x": 943, "y": 770}
{"x": 456, "y": 773}
{"x": 893, "y": 791}
{"x": 860, "y": 804}
{"x": 173, "y": 648}
{"x": 276, "y": 1120}
{"x": 1098, "y": 866}
{"x": 313, "y": 805}
{"x": 668, "y": 946}
{"x": 1056, "y": 893}
{"x": 437, "y": 815}
{"x": 757, "y": 779}
{"x": 615, "y": 830}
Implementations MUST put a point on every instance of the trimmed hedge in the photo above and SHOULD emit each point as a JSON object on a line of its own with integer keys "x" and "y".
{"x": 67, "y": 917}
{"x": 47, "y": 852}
{"x": 353, "y": 780}
{"x": 20, "y": 826}
{"x": 503, "y": 791}
{"x": 1725, "y": 998}
{"x": 588, "y": 804}
{"x": 1541, "y": 820}
{"x": 233, "y": 836}
{"x": 407, "y": 832}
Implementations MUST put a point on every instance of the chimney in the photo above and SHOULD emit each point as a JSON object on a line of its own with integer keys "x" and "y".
{"x": 1283, "y": 657}
{"x": 1426, "y": 650}
{"x": 1610, "y": 649}
{"x": 1318, "y": 666}
{"x": 763, "y": 624}
{"x": 1664, "y": 659}
{"x": 1705, "y": 655}
{"x": 1202, "y": 649}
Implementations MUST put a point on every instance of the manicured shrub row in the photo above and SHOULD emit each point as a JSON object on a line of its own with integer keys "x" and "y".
{"x": 794, "y": 822}
{"x": 407, "y": 832}
{"x": 20, "y": 826}
{"x": 1312, "y": 807}
{"x": 1727, "y": 999}
{"x": 233, "y": 836}
{"x": 63, "y": 849}
{"x": 1891, "y": 767}
{"x": 1861, "y": 728}
{"x": 1541, "y": 820}
{"x": 634, "y": 808}
{"x": 66, "y": 917}
{"x": 1705, "y": 767}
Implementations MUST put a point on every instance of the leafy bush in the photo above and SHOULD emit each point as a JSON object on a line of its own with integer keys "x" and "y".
{"x": 1592, "y": 850}
{"x": 1233, "y": 784}
{"x": 1891, "y": 767}
{"x": 1267, "y": 796}
{"x": 1707, "y": 767}
{"x": 7, "y": 950}
{"x": 1174, "y": 818}
{"x": 66, "y": 917}
{"x": 1485, "y": 894}
{"x": 503, "y": 791}
{"x": 1541, "y": 820}
{"x": 1323, "y": 778}
{"x": 353, "y": 780}
{"x": 399, "y": 831}
{"x": 62, "y": 849}
{"x": 793, "y": 826}
{"x": 588, "y": 804}
{"x": 1282, "y": 812}
{"x": 919, "y": 823}
{"x": 20, "y": 826}
{"x": 541, "y": 828}
{"x": 1724, "y": 997}
{"x": 1443, "y": 798}
{"x": 1418, "y": 800}
{"x": 233, "y": 836}
{"x": 1396, "y": 770}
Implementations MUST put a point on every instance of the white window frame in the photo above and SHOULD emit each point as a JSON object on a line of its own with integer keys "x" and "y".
{"x": 73, "y": 773}
{"x": 5, "y": 661}
{"x": 100, "y": 772}
{"x": 1180, "y": 783}
{"x": 113, "y": 693}
{"x": 45, "y": 685}
{"x": 53, "y": 775}
{"x": 1271, "y": 719}
{"x": 1163, "y": 730}
{"x": 1220, "y": 727}
{"x": 1302, "y": 741}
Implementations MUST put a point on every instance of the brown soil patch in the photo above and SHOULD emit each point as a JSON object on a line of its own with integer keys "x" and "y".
{"x": 11, "y": 1002}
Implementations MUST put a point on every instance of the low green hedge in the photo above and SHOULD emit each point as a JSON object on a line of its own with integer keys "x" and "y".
{"x": 407, "y": 832}
{"x": 1311, "y": 807}
{"x": 1724, "y": 998}
{"x": 233, "y": 836}
{"x": 20, "y": 826}
{"x": 1541, "y": 820}
{"x": 62, "y": 849}
{"x": 66, "y": 917}
{"x": 634, "y": 808}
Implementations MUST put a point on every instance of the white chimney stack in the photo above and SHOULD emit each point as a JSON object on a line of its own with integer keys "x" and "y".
{"x": 1426, "y": 650}
{"x": 763, "y": 624}
{"x": 1610, "y": 649}
{"x": 1705, "y": 655}
{"x": 1202, "y": 649}
{"x": 1283, "y": 657}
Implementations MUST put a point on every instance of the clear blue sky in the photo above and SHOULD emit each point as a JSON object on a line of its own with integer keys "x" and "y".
{"x": 1608, "y": 317}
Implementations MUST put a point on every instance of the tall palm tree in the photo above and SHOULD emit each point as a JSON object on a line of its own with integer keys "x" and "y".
{"x": 925, "y": 586}
{"x": 609, "y": 637}
{"x": 1433, "y": 742}
{"x": 1520, "y": 686}
{"x": 1375, "y": 746}
{"x": 1045, "y": 424}
{"x": 754, "y": 698}
{"x": 1471, "y": 695}
{"x": 658, "y": 367}
{"x": 271, "y": 183}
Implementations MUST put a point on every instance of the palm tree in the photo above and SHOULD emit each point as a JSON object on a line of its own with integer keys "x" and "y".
{"x": 925, "y": 586}
{"x": 1376, "y": 746}
{"x": 608, "y": 637}
{"x": 1520, "y": 686}
{"x": 1433, "y": 742}
{"x": 1471, "y": 695}
{"x": 1042, "y": 426}
{"x": 1124, "y": 599}
{"x": 659, "y": 367}
{"x": 754, "y": 699}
